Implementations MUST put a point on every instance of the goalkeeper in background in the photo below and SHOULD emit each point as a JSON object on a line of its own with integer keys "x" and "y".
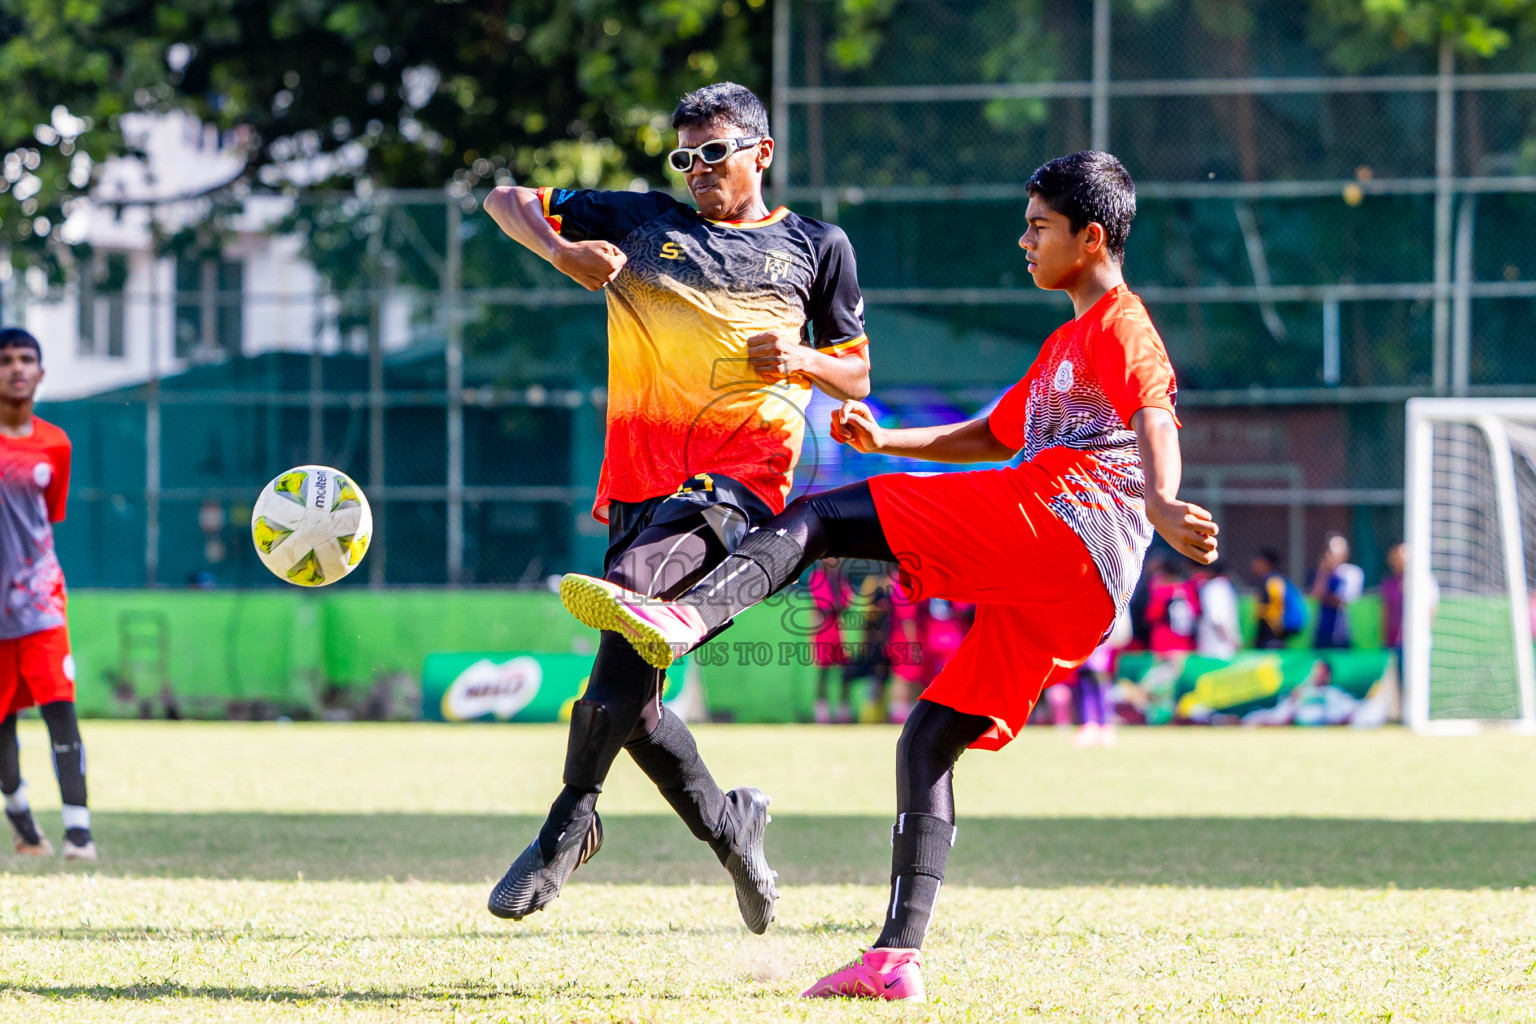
{"x": 36, "y": 666}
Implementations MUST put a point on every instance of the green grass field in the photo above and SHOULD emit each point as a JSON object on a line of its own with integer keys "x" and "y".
{"x": 320, "y": 873}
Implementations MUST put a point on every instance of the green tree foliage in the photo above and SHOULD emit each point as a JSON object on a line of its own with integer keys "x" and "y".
{"x": 1360, "y": 34}
{"x": 400, "y": 92}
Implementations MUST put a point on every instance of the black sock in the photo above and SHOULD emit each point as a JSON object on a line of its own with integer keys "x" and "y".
{"x": 10, "y": 756}
{"x": 69, "y": 766}
{"x": 920, "y": 850}
{"x": 767, "y": 561}
{"x": 670, "y": 758}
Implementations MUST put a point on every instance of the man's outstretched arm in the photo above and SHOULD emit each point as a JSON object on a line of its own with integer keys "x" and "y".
{"x": 519, "y": 212}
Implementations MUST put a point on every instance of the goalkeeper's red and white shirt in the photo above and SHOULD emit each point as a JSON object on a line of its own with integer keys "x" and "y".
{"x": 34, "y": 489}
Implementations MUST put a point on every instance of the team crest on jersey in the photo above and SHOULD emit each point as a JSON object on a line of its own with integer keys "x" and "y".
{"x": 1063, "y": 381}
{"x": 777, "y": 265}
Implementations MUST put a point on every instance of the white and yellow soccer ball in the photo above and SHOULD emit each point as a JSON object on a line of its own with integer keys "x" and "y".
{"x": 311, "y": 525}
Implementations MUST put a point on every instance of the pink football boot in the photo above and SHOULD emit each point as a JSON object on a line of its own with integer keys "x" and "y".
{"x": 878, "y": 974}
{"x": 659, "y": 631}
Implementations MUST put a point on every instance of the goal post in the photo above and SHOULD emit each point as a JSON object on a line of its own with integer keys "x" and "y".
{"x": 1470, "y": 524}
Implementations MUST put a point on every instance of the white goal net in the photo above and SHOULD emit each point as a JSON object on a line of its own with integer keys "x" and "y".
{"x": 1471, "y": 531}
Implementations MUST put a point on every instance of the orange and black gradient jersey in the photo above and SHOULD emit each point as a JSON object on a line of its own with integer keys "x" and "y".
{"x": 682, "y": 397}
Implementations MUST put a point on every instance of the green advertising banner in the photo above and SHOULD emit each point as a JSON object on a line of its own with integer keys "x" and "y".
{"x": 1200, "y": 689}
{"x": 518, "y": 686}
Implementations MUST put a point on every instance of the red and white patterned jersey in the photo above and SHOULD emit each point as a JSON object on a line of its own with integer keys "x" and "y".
{"x": 34, "y": 488}
{"x": 1071, "y": 417}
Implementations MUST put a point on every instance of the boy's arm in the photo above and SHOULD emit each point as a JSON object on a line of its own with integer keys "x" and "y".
{"x": 1187, "y": 527}
{"x": 519, "y": 212}
{"x": 966, "y": 441}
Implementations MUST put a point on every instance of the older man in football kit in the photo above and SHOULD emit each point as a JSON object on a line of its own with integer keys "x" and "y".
{"x": 721, "y": 315}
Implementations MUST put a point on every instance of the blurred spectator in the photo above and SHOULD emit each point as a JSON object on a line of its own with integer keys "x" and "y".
{"x": 830, "y": 595}
{"x": 1281, "y": 608}
{"x": 1335, "y": 584}
{"x": 936, "y": 627}
{"x": 1094, "y": 680}
{"x": 944, "y": 625}
{"x": 1058, "y": 697}
{"x": 1141, "y": 627}
{"x": 872, "y": 658}
{"x": 906, "y": 670}
{"x": 1173, "y": 609}
{"x": 1392, "y": 600}
{"x": 1393, "y": 594}
{"x": 1218, "y": 634}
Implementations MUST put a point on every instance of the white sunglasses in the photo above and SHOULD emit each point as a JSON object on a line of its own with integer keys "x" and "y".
{"x": 712, "y": 152}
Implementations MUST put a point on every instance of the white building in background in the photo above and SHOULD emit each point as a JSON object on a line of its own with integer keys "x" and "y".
{"x": 133, "y": 316}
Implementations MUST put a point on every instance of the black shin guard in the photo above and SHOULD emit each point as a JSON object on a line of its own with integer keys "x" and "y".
{"x": 670, "y": 758}
{"x": 920, "y": 851}
{"x": 586, "y": 752}
{"x": 587, "y": 759}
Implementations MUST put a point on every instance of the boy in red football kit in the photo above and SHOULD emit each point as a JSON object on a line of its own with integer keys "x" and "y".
{"x": 35, "y": 664}
{"x": 1048, "y": 549}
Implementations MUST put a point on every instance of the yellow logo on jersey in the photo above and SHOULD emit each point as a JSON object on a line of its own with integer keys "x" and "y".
{"x": 671, "y": 251}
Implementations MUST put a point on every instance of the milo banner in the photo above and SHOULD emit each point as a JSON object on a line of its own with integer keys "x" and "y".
{"x": 1284, "y": 687}
{"x": 512, "y": 687}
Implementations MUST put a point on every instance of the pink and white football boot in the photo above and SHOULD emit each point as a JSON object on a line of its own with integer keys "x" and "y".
{"x": 894, "y": 974}
{"x": 660, "y": 631}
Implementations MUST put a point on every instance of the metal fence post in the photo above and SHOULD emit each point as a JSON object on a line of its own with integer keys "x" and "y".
{"x": 454, "y": 357}
{"x": 376, "y": 298}
{"x": 152, "y": 433}
{"x": 1099, "y": 134}
{"x": 1461, "y": 302}
{"x": 1332, "y": 343}
{"x": 1445, "y": 169}
{"x": 781, "y": 41}
{"x": 316, "y": 382}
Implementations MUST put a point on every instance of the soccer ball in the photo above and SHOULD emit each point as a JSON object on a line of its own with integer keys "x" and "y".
{"x": 311, "y": 526}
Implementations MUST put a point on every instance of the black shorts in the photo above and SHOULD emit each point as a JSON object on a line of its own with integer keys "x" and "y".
{"x": 726, "y": 504}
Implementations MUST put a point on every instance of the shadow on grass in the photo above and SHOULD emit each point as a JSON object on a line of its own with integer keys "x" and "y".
{"x": 231, "y": 993}
{"x": 657, "y": 849}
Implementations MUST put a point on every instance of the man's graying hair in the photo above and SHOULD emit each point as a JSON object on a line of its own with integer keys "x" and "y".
{"x": 722, "y": 104}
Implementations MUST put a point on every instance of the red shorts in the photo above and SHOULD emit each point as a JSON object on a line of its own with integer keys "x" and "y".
{"x": 990, "y": 538}
{"x": 36, "y": 669}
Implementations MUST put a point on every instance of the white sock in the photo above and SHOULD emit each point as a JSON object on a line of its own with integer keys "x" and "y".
{"x": 76, "y": 816}
{"x": 17, "y": 802}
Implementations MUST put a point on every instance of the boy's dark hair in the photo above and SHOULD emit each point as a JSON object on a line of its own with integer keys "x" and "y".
{"x": 724, "y": 103}
{"x": 1271, "y": 556}
{"x": 1086, "y": 188}
{"x": 16, "y": 337}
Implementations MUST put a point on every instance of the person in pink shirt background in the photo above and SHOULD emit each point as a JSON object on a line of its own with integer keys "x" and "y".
{"x": 1173, "y": 610}
{"x": 831, "y": 596}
